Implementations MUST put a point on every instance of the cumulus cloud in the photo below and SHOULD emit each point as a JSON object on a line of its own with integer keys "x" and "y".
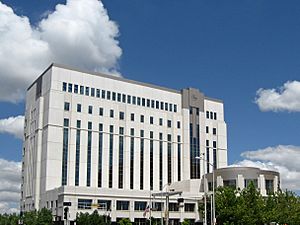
{"x": 12, "y": 125}
{"x": 285, "y": 98}
{"x": 281, "y": 158}
{"x": 10, "y": 180}
{"x": 79, "y": 33}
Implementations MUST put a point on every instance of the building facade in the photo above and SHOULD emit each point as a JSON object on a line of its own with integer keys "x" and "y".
{"x": 99, "y": 142}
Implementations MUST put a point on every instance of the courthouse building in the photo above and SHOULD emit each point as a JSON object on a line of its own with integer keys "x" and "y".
{"x": 99, "y": 142}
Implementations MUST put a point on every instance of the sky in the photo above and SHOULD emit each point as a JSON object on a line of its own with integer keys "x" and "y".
{"x": 245, "y": 52}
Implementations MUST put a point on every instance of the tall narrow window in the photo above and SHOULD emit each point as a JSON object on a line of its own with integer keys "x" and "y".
{"x": 78, "y": 107}
{"x": 215, "y": 154}
{"x": 160, "y": 161}
{"x": 169, "y": 158}
{"x": 77, "y": 158}
{"x": 64, "y": 87}
{"x": 87, "y": 91}
{"x": 111, "y": 147}
{"x": 89, "y": 155}
{"x": 179, "y": 157}
{"x": 131, "y": 157}
{"x": 93, "y": 92}
{"x": 70, "y": 87}
{"x": 215, "y": 116}
{"x": 90, "y": 109}
{"x": 81, "y": 90}
{"x": 142, "y": 160}
{"x": 121, "y": 157}
{"x": 151, "y": 160}
{"x": 132, "y": 116}
{"x": 67, "y": 106}
{"x": 65, "y": 152}
{"x": 207, "y": 157}
{"x": 100, "y": 153}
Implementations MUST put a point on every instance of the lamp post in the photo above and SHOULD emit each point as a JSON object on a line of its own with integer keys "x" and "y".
{"x": 213, "y": 214}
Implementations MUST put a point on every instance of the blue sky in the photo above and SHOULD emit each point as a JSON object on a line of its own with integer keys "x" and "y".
{"x": 227, "y": 49}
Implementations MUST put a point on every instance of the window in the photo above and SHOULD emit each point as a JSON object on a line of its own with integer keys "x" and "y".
{"x": 229, "y": 183}
{"x": 211, "y": 115}
{"x": 169, "y": 159}
{"x": 132, "y": 116}
{"x": 87, "y": 91}
{"x": 65, "y": 152}
{"x": 98, "y": 93}
{"x": 160, "y": 161}
{"x": 142, "y": 159}
{"x": 85, "y": 203}
{"x": 100, "y": 156}
{"x": 93, "y": 92}
{"x": 78, "y": 107}
{"x": 152, "y": 103}
{"x": 161, "y": 105}
{"x": 138, "y": 100}
{"x": 110, "y": 160}
{"x": 104, "y": 205}
{"x": 119, "y": 97}
{"x": 67, "y": 106}
{"x": 215, "y": 116}
{"x": 89, "y": 155}
{"x": 178, "y": 124}
{"x": 77, "y": 158}
{"x": 151, "y": 119}
{"x": 248, "y": 181}
{"x": 207, "y": 129}
{"x": 90, "y": 109}
{"x": 128, "y": 99}
{"x": 170, "y": 107}
{"x": 122, "y": 205}
{"x": 142, "y": 119}
{"x": 111, "y": 113}
{"x": 121, "y": 115}
{"x": 123, "y": 98}
{"x": 81, "y": 90}
{"x": 169, "y": 123}
{"x": 103, "y": 94}
{"x": 157, "y": 104}
{"x": 131, "y": 157}
{"x": 121, "y": 156}
{"x": 64, "y": 86}
{"x": 133, "y": 100}
{"x": 75, "y": 88}
{"x": 214, "y": 131}
{"x": 189, "y": 207}
{"x": 108, "y": 95}
{"x": 114, "y": 96}
{"x": 143, "y": 101}
{"x": 166, "y": 106}
{"x": 140, "y": 206}
{"x": 175, "y": 108}
{"x": 100, "y": 111}
{"x": 148, "y": 102}
{"x": 173, "y": 206}
{"x": 70, "y": 87}
{"x": 207, "y": 115}
{"x": 160, "y": 121}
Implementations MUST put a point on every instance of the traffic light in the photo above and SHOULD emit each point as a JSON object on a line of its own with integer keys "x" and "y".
{"x": 66, "y": 210}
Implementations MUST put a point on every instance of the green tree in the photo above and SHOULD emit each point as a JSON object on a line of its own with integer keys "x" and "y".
{"x": 30, "y": 218}
{"x": 44, "y": 217}
{"x": 186, "y": 222}
{"x": 125, "y": 221}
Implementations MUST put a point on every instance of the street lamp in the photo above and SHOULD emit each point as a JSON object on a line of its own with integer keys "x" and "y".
{"x": 213, "y": 216}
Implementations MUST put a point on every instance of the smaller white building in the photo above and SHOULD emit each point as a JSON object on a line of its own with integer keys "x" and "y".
{"x": 266, "y": 181}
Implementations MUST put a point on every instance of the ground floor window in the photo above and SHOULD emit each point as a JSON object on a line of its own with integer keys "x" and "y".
{"x": 85, "y": 203}
{"x": 122, "y": 205}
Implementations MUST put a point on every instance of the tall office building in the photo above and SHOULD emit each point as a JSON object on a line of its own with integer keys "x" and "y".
{"x": 99, "y": 142}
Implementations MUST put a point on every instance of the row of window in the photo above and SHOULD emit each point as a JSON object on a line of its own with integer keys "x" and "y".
{"x": 121, "y": 115}
{"x": 138, "y": 205}
{"x": 120, "y": 156}
{"x": 119, "y": 97}
{"x": 211, "y": 115}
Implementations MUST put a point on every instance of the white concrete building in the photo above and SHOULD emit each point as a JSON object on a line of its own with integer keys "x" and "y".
{"x": 106, "y": 143}
{"x": 266, "y": 181}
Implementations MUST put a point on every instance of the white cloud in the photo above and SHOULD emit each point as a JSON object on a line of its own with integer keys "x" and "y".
{"x": 10, "y": 180}
{"x": 286, "y": 98}
{"x": 12, "y": 125}
{"x": 282, "y": 158}
{"x": 79, "y": 34}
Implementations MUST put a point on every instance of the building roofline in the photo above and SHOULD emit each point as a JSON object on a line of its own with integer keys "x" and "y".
{"x": 115, "y": 78}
